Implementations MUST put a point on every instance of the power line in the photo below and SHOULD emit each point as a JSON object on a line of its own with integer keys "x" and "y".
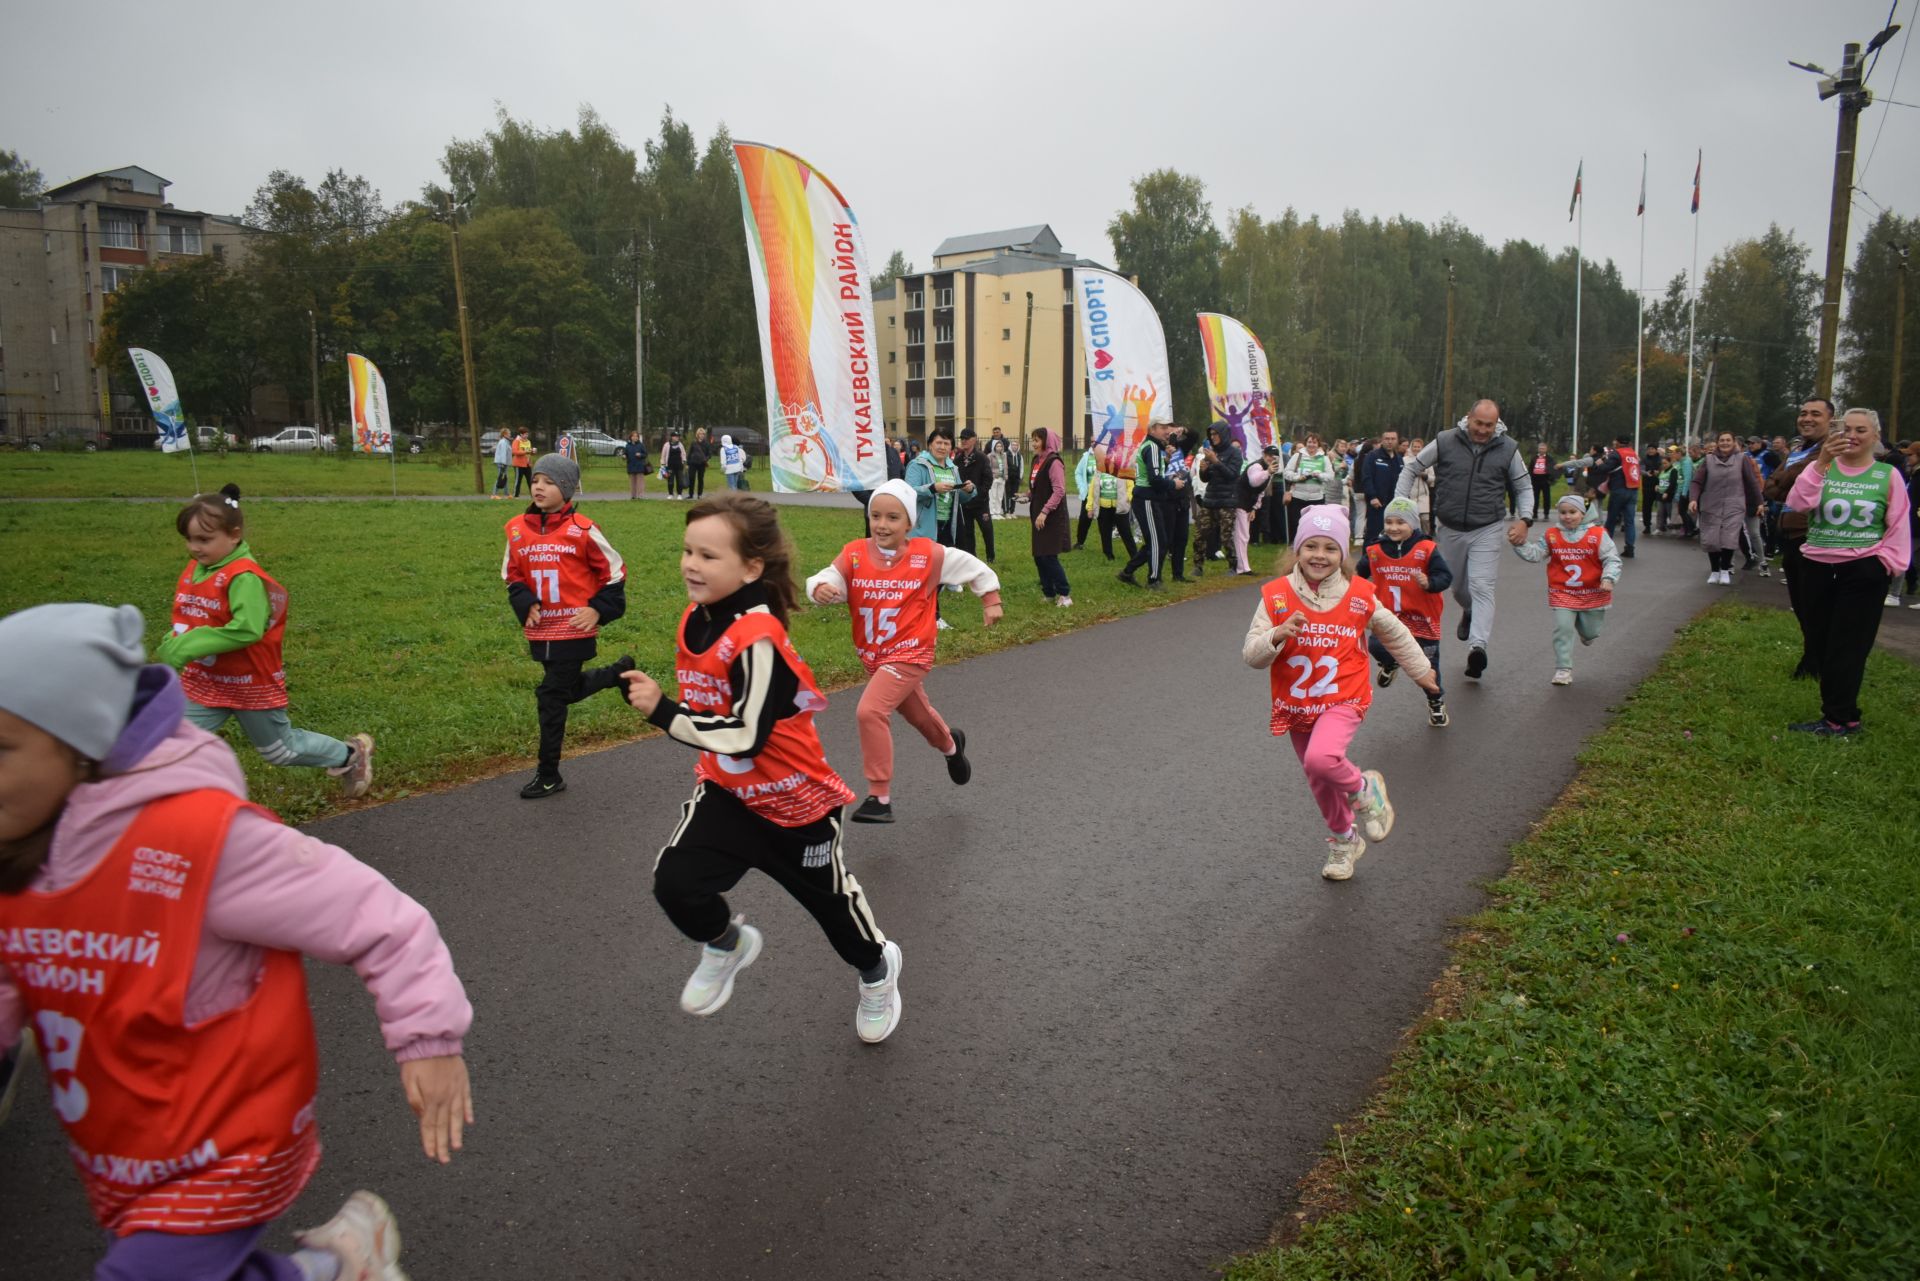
{"x": 1905, "y": 36}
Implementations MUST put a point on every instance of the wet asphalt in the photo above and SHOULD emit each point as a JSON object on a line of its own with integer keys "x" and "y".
{"x": 1133, "y": 1010}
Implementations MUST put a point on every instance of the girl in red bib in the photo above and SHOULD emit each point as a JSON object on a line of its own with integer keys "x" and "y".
{"x": 229, "y": 619}
{"x": 1582, "y": 567}
{"x": 152, "y": 925}
{"x": 764, "y": 796}
{"x": 1310, "y": 632}
{"x": 890, "y": 583}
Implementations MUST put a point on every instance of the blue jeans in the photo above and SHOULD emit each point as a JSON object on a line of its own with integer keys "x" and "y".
{"x": 736, "y": 480}
{"x": 1620, "y": 504}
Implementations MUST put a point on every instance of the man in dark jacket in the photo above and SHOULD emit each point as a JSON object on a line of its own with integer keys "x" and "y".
{"x": 974, "y": 508}
{"x": 1218, "y": 469}
{"x": 1378, "y": 479}
{"x": 1153, "y": 491}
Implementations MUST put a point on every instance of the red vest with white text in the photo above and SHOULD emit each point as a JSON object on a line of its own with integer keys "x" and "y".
{"x": 253, "y": 678}
{"x": 562, "y": 565}
{"x": 789, "y": 782}
{"x": 1629, "y": 466}
{"x": 1573, "y": 570}
{"x": 1393, "y": 578}
{"x": 894, "y": 603}
{"x": 173, "y": 1128}
{"x": 1325, "y": 665}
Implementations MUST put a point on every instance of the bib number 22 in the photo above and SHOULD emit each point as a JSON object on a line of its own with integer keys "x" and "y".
{"x": 1329, "y": 669}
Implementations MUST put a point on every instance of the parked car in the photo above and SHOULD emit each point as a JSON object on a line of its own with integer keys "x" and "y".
{"x": 90, "y": 441}
{"x": 751, "y": 439}
{"x": 294, "y": 440}
{"x": 207, "y": 437}
{"x": 594, "y": 442}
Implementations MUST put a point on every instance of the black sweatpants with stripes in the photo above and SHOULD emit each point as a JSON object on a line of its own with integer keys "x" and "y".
{"x": 719, "y": 840}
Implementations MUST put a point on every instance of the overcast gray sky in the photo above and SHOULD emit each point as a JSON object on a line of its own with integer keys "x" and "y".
{"x": 939, "y": 119}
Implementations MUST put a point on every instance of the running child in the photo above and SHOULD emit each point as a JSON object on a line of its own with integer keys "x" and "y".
{"x": 1406, "y": 567}
{"x": 229, "y": 619}
{"x": 152, "y": 925}
{"x": 764, "y": 796}
{"x": 890, "y": 583}
{"x": 564, "y": 582}
{"x": 1307, "y": 633}
{"x": 1582, "y": 567}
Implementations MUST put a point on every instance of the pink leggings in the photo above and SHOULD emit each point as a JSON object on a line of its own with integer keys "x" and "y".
{"x": 1242, "y": 522}
{"x": 1323, "y": 756}
{"x": 895, "y": 687}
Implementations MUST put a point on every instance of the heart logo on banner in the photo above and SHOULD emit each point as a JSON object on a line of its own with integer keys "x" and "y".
{"x": 1102, "y": 358}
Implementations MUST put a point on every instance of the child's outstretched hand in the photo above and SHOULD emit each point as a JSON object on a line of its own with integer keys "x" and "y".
{"x": 992, "y": 614}
{"x": 1288, "y": 629}
{"x": 828, "y": 594}
{"x": 1430, "y": 683}
{"x": 643, "y": 692}
{"x": 439, "y": 1094}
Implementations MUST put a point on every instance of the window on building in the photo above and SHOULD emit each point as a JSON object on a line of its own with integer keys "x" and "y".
{"x": 1006, "y": 406}
{"x": 120, "y": 230}
{"x": 916, "y": 406}
{"x": 943, "y": 368}
{"x": 893, "y": 391}
{"x": 891, "y": 355}
{"x": 113, "y": 279}
{"x": 1006, "y": 371}
{"x": 56, "y": 382}
{"x": 943, "y": 333}
{"x": 946, "y": 297}
{"x": 46, "y": 239}
{"x": 1066, "y": 297}
{"x": 889, "y": 322}
{"x": 943, "y": 406}
{"x": 1005, "y": 296}
{"x": 916, "y": 300}
{"x": 1006, "y": 335}
{"x": 89, "y": 328}
{"x": 916, "y": 369}
{"x": 179, "y": 238}
{"x": 53, "y": 335}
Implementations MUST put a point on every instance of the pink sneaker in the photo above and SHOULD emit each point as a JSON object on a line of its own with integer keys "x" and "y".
{"x": 356, "y": 776}
{"x": 365, "y": 1238}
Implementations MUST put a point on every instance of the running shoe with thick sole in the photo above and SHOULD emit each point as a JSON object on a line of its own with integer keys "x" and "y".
{"x": 879, "y": 1010}
{"x": 1384, "y": 677}
{"x": 710, "y": 986}
{"x": 1825, "y": 729}
{"x": 874, "y": 810}
{"x": 1371, "y": 807}
{"x": 543, "y": 786}
{"x": 1563, "y": 676}
{"x": 363, "y": 1236}
{"x": 1476, "y": 662}
{"x": 1342, "y": 854}
{"x": 1437, "y": 713}
{"x": 959, "y": 768}
{"x": 356, "y": 776}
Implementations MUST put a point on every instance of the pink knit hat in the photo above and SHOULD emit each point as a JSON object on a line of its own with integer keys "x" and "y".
{"x": 1325, "y": 520}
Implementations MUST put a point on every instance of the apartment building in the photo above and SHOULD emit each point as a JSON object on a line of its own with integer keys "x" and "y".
{"x": 59, "y": 262}
{"x": 995, "y": 315}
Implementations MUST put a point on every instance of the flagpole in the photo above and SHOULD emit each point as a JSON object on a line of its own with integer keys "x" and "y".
{"x": 1693, "y": 301}
{"x": 1579, "y": 271}
{"x": 1640, "y": 330}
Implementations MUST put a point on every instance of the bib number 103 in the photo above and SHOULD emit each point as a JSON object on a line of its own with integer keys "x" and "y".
{"x": 880, "y": 625}
{"x": 1329, "y": 669}
{"x": 1851, "y": 513}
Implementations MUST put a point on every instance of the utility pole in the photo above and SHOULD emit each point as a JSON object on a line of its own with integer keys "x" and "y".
{"x": 1446, "y": 399}
{"x": 466, "y": 349}
{"x": 1899, "y": 341}
{"x": 1026, "y": 367}
{"x": 639, "y": 351}
{"x": 313, "y": 363}
{"x": 1854, "y": 97}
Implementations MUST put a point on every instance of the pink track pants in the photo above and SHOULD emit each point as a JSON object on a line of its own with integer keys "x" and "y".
{"x": 1323, "y": 756}
{"x": 896, "y": 687}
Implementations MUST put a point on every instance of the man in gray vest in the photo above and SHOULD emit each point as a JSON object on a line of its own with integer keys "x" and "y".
{"x": 1473, "y": 469}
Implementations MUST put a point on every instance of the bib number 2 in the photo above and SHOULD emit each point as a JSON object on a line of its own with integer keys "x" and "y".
{"x": 1329, "y": 669}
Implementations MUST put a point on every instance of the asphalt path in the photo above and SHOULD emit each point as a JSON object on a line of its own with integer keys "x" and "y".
{"x": 1133, "y": 1010}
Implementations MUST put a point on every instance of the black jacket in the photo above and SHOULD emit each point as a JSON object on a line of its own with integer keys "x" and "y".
{"x": 1439, "y": 573}
{"x": 610, "y": 602}
{"x": 698, "y": 453}
{"x": 974, "y": 467}
{"x": 765, "y": 689}
{"x": 1379, "y": 474}
{"x": 1221, "y": 476}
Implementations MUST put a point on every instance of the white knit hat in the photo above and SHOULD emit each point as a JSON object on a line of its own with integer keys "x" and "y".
{"x": 901, "y": 491}
{"x": 71, "y": 670}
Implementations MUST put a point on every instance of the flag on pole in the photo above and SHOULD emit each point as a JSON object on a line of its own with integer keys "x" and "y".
{"x": 1643, "y": 186}
{"x": 1575, "y": 202}
{"x": 1699, "y": 158}
{"x": 367, "y": 401}
{"x": 163, "y": 397}
{"x": 808, "y": 260}
{"x": 1238, "y": 384}
{"x": 1128, "y": 386}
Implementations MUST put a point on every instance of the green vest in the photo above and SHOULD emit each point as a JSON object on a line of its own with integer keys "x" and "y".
{"x": 1107, "y": 489}
{"x": 1852, "y": 511}
{"x": 943, "y": 503}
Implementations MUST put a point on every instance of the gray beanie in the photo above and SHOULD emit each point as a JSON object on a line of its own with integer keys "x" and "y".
{"x": 71, "y": 670}
{"x": 562, "y": 471}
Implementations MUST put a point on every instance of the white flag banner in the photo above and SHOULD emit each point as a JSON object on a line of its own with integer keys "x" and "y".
{"x": 162, "y": 397}
{"x": 1128, "y": 384}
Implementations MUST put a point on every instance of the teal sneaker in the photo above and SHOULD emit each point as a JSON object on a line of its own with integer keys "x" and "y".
{"x": 1371, "y": 806}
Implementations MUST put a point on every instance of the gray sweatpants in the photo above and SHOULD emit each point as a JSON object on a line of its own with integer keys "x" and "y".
{"x": 273, "y": 735}
{"x": 1474, "y": 556}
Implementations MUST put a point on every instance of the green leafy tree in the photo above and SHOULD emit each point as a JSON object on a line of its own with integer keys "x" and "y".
{"x": 1758, "y": 304}
{"x": 204, "y": 320}
{"x": 1866, "y": 329}
{"x": 20, "y": 182}
{"x": 1168, "y": 241}
{"x": 897, "y": 266}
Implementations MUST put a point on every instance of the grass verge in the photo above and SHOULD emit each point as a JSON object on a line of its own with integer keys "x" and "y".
{"x": 399, "y": 623}
{"x": 1683, "y": 1042}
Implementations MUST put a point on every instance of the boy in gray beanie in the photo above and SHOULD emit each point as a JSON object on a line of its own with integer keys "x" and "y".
{"x": 561, "y": 472}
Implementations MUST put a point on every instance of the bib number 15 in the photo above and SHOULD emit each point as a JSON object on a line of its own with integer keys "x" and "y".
{"x": 880, "y": 625}
{"x": 1329, "y": 669}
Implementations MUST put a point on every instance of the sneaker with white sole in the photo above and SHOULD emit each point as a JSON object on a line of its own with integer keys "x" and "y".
{"x": 1437, "y": 713}
{"x": 1892, "y": 601}
{"x": 879, "y": 1009}
{"x": 1064, "y": 602}
{"x": 710, "y": 985}
{"x": 1384, "y": 677}
{"x": 1563, "y": 676}
{"x": 942, "y": 624}
{"x": 1713, "y": 578}
{"x": 363, "y": 1236}
{"x": 1371, "y": 808}
{"x": 356, "y": 776}
{"x": 1342, "y": 853}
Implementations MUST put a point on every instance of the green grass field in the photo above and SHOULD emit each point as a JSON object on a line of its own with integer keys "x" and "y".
{"x": 399, "y": 623}
{"x": 1685, "y": 1041}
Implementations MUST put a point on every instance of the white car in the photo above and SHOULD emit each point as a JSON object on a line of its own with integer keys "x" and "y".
{"x": 595, "y": 442}
{"x": 293, "y": 440}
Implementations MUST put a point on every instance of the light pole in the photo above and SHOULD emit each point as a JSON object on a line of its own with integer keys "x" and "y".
{"x": 466, "y": 350}
{"x": 1899, "y": 337}
{"x": 1446, "y": 398}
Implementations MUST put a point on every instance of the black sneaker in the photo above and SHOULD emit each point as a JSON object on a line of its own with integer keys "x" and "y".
{"x": 873, "y": 810}
{"x": 1466, "y": 624}
{"x": 1628, "y": 555}
{"x": 959, "y": 768}
{"x": 1437, "y": 713}
{"x": 1476, "y": 662}
{"x": 543, "y": 785}
{"x": 595, "y": 679}
{"x": 1156, "y": 585}
{"x": 1825, "y": 729}
{"x": 1385, "y": 676}
{"x": 1126, "y": 576}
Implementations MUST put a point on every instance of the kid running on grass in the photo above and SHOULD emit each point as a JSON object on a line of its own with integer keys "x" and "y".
{"x": 152, "y": 925}
{"x": 890, "y": 583}
{"x": 1582, "y": 567}
{"x": 1405, "y": 566}
{"x": 764, "y": 796}
{"x": 1307, "y": 632}
{"x": 229, "y": 619}
{"x": 563, "y": 581}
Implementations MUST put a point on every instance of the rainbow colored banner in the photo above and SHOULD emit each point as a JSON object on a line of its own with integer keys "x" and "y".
{"x": 1238, "y": 383}
{"x": 825, "y": 430}
{"x": 1128, "y": 385}
{"x": 367, "y": 397}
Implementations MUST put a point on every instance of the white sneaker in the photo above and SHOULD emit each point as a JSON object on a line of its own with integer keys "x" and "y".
{"x": 1371, "y": 807}
{"x": 1563, "y": 676}
{"x": 711, "y": 984}
{"x": 1342, "y": 854}
{"x": 1219, "y": 555}
{"x": 1713, "y": 578}
{"x": 356, "y": 776}
{"x": 363, "y": 1236}
{"x": 1892, "y": 601}
{"x": 879, "y": 1010}
{"x": 1064, "y": 602}
{"x": 1915, "y": 605}
{"x": 943, "y": 624}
